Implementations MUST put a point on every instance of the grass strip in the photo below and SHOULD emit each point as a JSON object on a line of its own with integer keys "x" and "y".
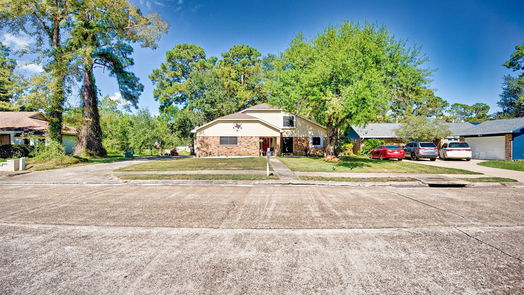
{"x": 357, "y": 179}
{"x": 197, "y": 177}
{"x": 254, "y": 163}
{"x": 508, "y": 165}
{"x": 489, "y": 179}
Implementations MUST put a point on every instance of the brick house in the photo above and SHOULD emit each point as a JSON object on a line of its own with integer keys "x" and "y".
{"x": 255, "y": 130}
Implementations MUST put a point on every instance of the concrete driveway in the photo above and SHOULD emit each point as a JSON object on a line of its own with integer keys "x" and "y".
{"x": 472, "y": 166}
{"x": 116, "y": 239}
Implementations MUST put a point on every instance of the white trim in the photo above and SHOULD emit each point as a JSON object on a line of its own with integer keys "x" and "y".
{"x": 321, "y": 145}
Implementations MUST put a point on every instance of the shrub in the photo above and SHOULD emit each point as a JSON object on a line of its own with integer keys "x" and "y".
{"x": 331, "y": 159}
{"x": 370, "y": 144}
{"x": 346, "y": 149}
{"x": 53, "y": 153}
{"x": 15, "y": 150}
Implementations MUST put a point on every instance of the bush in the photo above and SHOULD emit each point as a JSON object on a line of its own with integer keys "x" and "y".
{"x": 346, "y": 149}
{"x": 54, "y": 154}
{"x": 15, "y": 150}
{"x": 370, "y": 144}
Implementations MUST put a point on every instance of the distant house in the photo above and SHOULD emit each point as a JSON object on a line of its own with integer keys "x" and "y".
{"x": 255, "y": 130}
{"x": 496, "y": 139}
{"x": 29, "y": 128}
{"x": 490, "y": 140}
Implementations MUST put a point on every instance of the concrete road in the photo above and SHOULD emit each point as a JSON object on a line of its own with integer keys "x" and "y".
{"x": 132, "y": 239}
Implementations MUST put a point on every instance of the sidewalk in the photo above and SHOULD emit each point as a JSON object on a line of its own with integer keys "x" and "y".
{"x": 472, "y": 166}
{"x": 282, "y": 170}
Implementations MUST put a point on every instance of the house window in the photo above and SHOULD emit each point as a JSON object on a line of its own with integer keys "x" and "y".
{"x": 289, "y": 121}
{"x": 228, "y": 140}
{"x": 316, "y": 141}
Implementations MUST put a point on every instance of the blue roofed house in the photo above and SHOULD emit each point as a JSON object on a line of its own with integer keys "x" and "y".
{"x": 490, "y": 140}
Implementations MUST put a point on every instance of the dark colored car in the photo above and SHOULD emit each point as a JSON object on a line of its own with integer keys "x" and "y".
{"x": 419, "y": 150}
{"x": 387, "y": 152}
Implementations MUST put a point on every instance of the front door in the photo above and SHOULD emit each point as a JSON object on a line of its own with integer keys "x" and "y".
{"x": 5, "y": 139}
{"x": 265, "y": 145}
{"x": 287, "y": 145}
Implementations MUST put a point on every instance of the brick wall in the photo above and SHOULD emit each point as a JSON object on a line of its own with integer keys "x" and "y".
{"x": 302, "y": 143}
{"x": 209, "y": 146}
{"x": 508, "y": 138}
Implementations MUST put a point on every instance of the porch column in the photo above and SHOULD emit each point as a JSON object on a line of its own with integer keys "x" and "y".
{"x": 277, "y": 144}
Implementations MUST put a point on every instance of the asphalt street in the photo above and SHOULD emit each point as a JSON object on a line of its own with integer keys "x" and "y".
{"x": 260, "y": 239}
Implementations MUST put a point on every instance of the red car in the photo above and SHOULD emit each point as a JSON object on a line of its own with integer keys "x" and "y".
{"x": 387, "y": 152}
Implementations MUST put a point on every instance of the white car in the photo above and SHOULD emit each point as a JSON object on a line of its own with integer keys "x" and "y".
{"x": 455, "y": 150}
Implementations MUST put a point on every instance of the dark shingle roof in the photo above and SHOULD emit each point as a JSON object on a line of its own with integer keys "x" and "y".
{"x": 502, "y": 126}
{"x": 28, "y": 122}
{"x": 387, "y": 130}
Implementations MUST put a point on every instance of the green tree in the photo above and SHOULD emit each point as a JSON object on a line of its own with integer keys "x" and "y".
{"x": 347, "y": 75}
{"x": 102, "y": 35}
{"x": 477, "y": 112}
{"x": 419, "y": 128}
{"x": 193, "y": 89}
{"x": 7, "y": 83}
{"x": 512, "y": 96}
{"x": 48, "y": 22}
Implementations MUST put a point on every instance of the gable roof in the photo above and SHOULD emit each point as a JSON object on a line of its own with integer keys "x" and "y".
{"x": 28, "y": 122}
{"x": 501, "y": 126}
{"x": 235, "y": 117}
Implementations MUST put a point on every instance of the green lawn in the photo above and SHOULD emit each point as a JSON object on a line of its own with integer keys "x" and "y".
{"x": 489, "y": 179}
{"x": 365, "y": 165}
{"x": 196, "y": 177}
{"x": 255, "y": 163}
{"x": 509, "y": 165}
{"x": 357, "y": 179}
{"x": 69, "y": 161}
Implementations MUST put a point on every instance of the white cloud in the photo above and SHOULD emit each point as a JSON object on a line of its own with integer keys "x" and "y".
{"x": 30, "y": 67}
{"x": 17, "y": 42}
{"x": 116, "y": 97}
{"x": 122, "y": 103}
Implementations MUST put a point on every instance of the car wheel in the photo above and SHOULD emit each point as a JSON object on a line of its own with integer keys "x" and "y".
{"x": 433, "y": 159}
{"x": 381, "y": 157}
{"x": 400, "y": 159}
{"x": 468, "y": 159}
{"x": 414, "y": 157}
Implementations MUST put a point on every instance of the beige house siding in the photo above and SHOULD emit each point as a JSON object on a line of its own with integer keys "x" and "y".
{"x": 247, "y": 128}
{"x": 304, "y": 128}
{"x": 251, "y": 131}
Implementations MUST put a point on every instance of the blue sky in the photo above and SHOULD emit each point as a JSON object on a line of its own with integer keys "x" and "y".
{"x": 467, "y": 41}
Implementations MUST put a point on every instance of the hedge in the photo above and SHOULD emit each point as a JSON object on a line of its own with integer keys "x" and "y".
{"x": 15, "y": 150}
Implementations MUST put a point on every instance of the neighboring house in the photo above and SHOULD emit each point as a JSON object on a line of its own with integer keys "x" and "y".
{"x": 496, "y": 139}
{"x": 30, "y": 127}
{"x": 253, "y": 131}
{"x": 489, "y": 140}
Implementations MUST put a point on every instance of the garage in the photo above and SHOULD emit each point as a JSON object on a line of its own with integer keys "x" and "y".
{"x": 487, "y": 147}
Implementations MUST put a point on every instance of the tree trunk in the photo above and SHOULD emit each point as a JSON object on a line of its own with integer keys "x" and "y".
{"x": 58, "y": 72}
{"x": 90, "y": 137}
{"x": 332, "y": 138}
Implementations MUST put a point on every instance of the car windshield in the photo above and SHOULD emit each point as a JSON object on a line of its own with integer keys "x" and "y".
{"x": 458, "y": 145}
{"x": 392, "y": 147}
{"x": 427, "y": 144}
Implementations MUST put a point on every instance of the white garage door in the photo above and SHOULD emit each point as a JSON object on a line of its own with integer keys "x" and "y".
{"x": 487, "y": 148}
